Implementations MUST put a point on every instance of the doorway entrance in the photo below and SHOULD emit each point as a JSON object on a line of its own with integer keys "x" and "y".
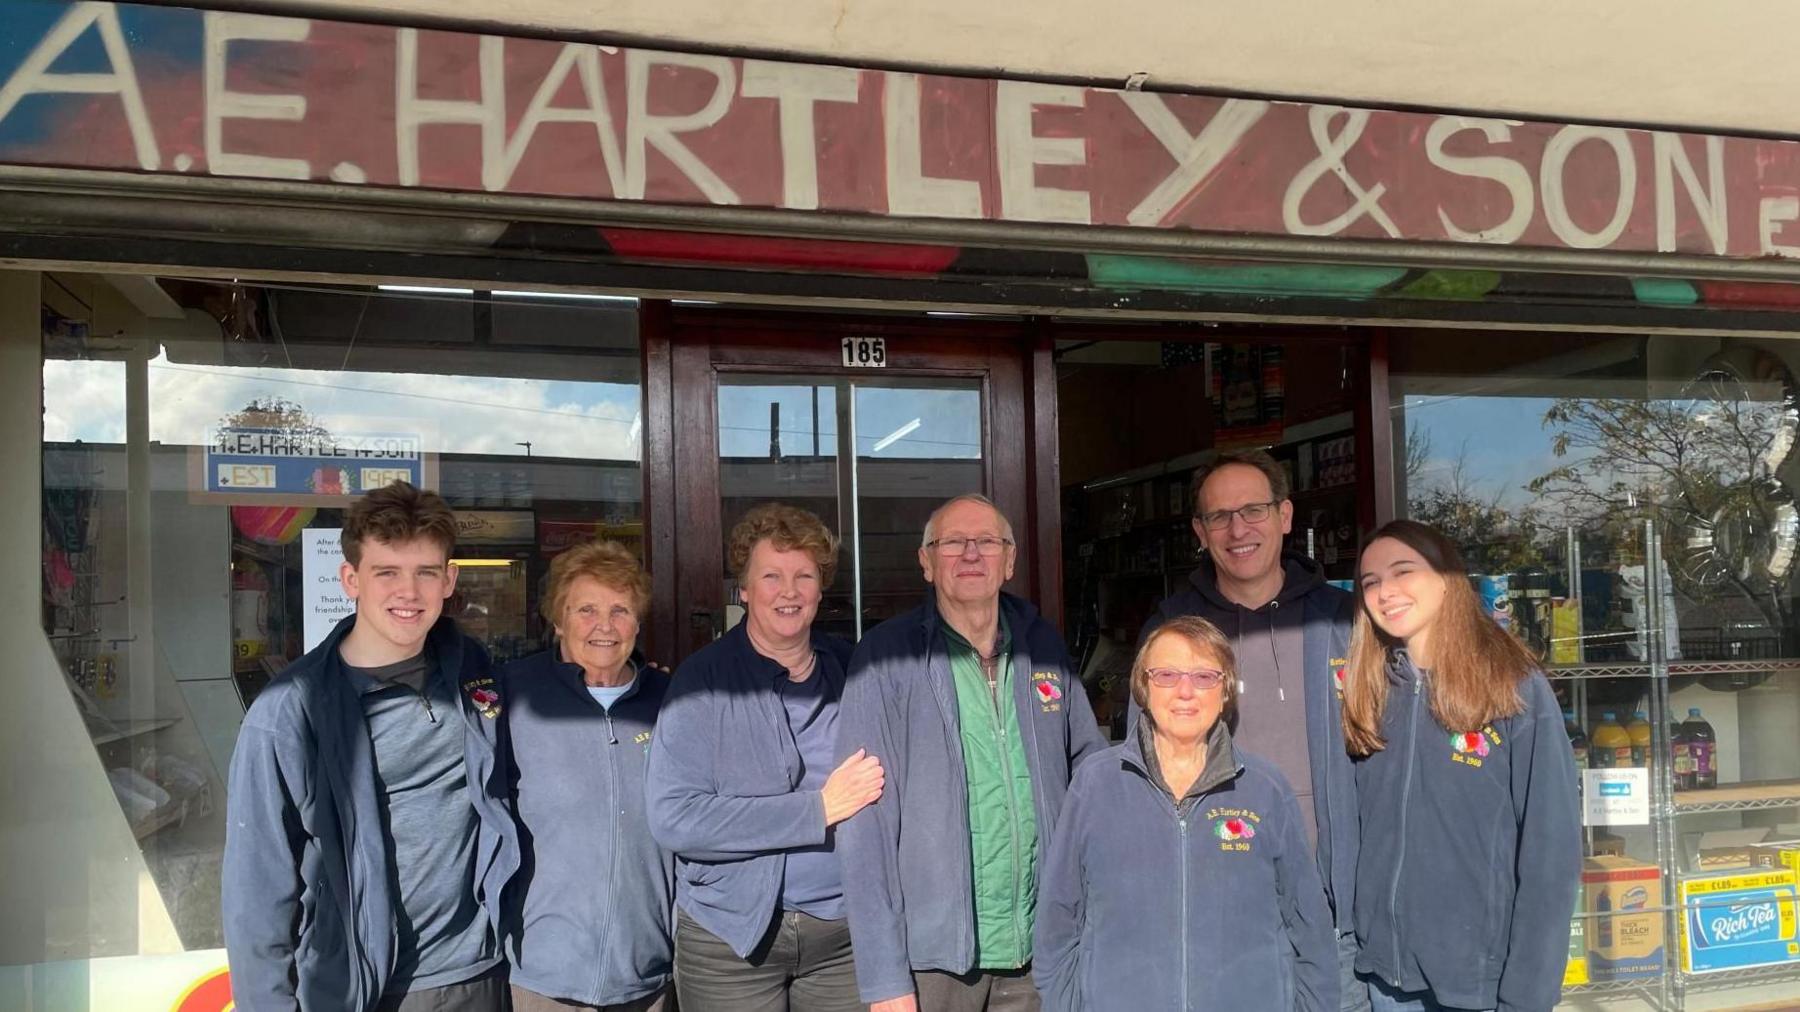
{"x": 870, "y": 423}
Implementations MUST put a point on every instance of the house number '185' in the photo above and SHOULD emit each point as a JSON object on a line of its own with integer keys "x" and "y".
{"x": 865, "y": 352}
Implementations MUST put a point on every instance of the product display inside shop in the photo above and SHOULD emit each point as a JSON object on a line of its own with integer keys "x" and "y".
{"x": 1628, "y": 502}
{"x": 198, "y": 460}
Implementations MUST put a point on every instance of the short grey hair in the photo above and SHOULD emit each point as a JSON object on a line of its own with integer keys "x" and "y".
{"x": 1006, "y": 528}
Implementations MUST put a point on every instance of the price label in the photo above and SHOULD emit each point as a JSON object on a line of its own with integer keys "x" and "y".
{"x": 865, "y": 352}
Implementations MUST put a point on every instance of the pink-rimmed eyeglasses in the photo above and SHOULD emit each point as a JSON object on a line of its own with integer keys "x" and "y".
{"x": 1203, "y": 678}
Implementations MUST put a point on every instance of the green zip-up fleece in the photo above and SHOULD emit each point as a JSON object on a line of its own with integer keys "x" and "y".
{"x": 1002, "y": 821}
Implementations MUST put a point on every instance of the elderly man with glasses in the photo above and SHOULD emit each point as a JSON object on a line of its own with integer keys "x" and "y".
{"x": 1290, "y": 631}
{"x": 971, "y": 702}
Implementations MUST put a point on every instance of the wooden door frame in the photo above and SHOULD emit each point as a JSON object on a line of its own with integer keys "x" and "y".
{"x": 683, "y": 351}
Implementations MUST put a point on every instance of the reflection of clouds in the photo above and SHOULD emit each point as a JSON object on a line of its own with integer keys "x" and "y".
{"x": 461, "y": 414}
{"x": 84, "y": 400}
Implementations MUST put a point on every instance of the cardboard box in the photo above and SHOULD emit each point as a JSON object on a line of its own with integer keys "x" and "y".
{"x": 1778, "y": 854}
{"x": 1723, "y": 850}
{"x": 1736, "y": 921}
{"x": 1624, "y": 933}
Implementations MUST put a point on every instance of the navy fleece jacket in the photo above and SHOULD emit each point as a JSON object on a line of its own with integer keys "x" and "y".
{"x": 1471, "y": 851}
{"x": 1210, "y": 902}
{"x": 724, "y": 779}
{"x": 307, "y": 909}
{"x": 1306, "y": 728}
{"x": 588, "y": 918}
{"x": 908, "y": 880}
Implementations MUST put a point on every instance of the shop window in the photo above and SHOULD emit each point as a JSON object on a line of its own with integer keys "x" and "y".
{"x": 1628, "y": 506}
{"x": 198, "y": 458}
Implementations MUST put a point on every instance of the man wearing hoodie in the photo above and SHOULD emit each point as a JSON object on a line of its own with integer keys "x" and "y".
{"x": 1291, "y": 633}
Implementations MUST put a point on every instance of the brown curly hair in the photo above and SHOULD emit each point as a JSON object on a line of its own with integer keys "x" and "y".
{"x": 394, "y": 515}
{"x": 609, "y": 563}
{"x": 789, "y": 529}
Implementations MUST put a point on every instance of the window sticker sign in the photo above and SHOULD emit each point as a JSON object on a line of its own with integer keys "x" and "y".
{"x": 1616, "y": 797}
{"x": 256, "y": 461}
{"x": 324, "y": 601}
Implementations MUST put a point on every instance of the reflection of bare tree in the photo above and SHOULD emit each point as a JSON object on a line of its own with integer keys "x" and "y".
{"x": 1700, "y": 465}
{"x": 1492, "y": 538}
{"x": 280, "y": 414}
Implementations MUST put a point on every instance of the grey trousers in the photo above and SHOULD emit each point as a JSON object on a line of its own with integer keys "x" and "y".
{"x": 531, "y": 1001}
{"x": 802, "y": 965}
{"x": 486, "y": 993}
{"x": 978, "y": 991}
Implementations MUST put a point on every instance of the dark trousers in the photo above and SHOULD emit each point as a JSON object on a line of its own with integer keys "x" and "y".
{"x": 531, "y": 1001}
{"x": 802, "y": 965}
{"x": 486, "y": 993}
{"x": 978, "y": 991}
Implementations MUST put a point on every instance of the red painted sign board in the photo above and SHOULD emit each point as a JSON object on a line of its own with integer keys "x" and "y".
{"x": 169, "y": 90}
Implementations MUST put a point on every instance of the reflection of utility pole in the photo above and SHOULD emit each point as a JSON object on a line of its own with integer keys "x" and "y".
{"x": 774, "y": 430}
{"x": 527, "y": 445}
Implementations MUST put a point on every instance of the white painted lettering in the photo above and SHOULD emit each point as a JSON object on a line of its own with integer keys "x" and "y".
{"x": 1505, "y": 171}
{"x": 909, "y": 190}
{"x": 412, "y": 113}
{"x": 1773, "y": 214}
{"x": 222, "y": 29}
{"x": 797, "y": 87}
{"x": 34, "y": 76}
{"x": 1556, "y": 204}
{"x": 584, "y": 61}
{"x": 1197, "y": 156}
{"x": 643, "y": 130}
{"x": 1019, "y": 151}
{"x": 1672, "y": 161}
{"x": 1332, "y": 148}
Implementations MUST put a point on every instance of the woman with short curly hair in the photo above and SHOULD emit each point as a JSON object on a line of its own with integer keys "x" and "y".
{"x": 743, "y": 789}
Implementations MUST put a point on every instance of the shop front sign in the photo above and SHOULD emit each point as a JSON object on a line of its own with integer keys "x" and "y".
{"x": 288, "y": 463}
{"x": 220, "y": 93}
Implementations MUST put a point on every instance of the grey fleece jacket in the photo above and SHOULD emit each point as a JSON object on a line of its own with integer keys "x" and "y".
{"x": 1290, "y": 700}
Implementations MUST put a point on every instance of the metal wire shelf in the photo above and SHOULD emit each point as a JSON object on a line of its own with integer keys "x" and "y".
{"x": 1641, "y": 985}
{"x": 1734, "y": 667}
{"x": 1598, "y": 671}
{"x": 1740, "y": 797}
{"x": 1722, "y": 979}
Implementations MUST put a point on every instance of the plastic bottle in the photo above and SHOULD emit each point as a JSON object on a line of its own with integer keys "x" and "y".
{"x": 1639, "y": 730}
{"x": 1683, "y": 757}
{"x": 1703, "y": 748}
{"x": 1578, "y": 740}
{"x": 1609, "y": 746}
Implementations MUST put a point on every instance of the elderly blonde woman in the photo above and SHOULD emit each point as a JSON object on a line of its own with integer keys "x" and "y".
{"x": 1180, "y": 873}
{"x": 744, "y": 791}
{"x": 588, "y": 916}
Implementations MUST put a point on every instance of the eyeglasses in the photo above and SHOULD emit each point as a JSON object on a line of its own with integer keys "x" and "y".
{"x": 1254, "y": 513}
{"x": 1203, "y": 678}
{"x": 952, "y": 547}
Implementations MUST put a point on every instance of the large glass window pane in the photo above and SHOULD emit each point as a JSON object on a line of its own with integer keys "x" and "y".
{"x": 198, "y": 463}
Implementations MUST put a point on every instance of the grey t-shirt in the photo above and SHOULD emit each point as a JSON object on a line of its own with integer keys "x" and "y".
{"x": 417, "y": 732}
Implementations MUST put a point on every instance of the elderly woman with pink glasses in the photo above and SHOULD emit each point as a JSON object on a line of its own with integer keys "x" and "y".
{"x": 1180, "y": 871}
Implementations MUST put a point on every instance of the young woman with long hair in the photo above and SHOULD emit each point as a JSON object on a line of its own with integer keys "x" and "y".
{"x": 1471, "y": 838}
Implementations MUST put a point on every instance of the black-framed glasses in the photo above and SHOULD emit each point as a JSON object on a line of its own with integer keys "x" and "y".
{"x": 1252, "y": 513}
{"x": 952, "y": 547}
{"x": 1203, "y": 678}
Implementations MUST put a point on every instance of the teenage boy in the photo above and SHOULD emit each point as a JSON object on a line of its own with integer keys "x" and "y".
{"x": 367, "y": 840}
{"x": 1291, "y": 633}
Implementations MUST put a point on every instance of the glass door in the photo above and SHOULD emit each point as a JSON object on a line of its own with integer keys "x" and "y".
{"x": 871, "y": 457}
{"x": 771, "y": 409}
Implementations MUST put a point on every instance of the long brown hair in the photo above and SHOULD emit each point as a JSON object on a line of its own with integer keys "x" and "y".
{"x": 1476, "y": 666}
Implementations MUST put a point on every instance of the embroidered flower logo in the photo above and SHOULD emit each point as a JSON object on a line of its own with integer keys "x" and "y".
{"x": 1338, "y": 675}
{"x": 1233, "y": 829}
{"x": 1467, "y": 742}
{"x": 1048, "y": 692}
{"x": 487, "y": 701}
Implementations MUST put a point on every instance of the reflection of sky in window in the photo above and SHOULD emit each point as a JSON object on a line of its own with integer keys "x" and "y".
{"x": 910, "y": 422}
{"x": 1502, "y": 442}
{"x": 744, "y": 419}
{"x": 453, "y": 414}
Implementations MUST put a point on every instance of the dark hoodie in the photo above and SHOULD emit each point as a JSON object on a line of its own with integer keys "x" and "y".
{"x": 1290, "y": 699}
